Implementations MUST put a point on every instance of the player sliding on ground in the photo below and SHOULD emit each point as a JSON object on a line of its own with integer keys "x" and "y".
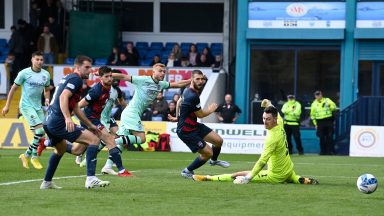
{"x": 275, "y": 154}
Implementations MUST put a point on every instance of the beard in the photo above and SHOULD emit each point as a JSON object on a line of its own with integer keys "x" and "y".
{"x": 197, "y": 87}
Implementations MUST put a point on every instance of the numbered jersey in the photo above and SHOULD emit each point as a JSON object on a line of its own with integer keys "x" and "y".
{"x": 97, "y": 98}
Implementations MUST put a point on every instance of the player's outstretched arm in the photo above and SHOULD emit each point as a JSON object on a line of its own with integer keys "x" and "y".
{"x": 120, "y": 76}
{"x": 203, "y": 113}
{"x": 83, "y": 103}
{"x": 9, "y": 99}
{"x": 180, "y": 84}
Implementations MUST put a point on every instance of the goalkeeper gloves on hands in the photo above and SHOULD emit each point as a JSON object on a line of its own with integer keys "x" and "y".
{"x": 241, "y": 180}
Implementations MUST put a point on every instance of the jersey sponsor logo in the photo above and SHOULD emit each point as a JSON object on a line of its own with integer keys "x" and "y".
{"x": 198, "y": 106}
{"x": 70, "y": 85}
{"x": 88, "y": 97}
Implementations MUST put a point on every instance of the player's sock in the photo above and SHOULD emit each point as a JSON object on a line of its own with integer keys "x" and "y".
{"x": 116, "y": 157}
{"x": 198, "y": 162}
{"x": 39, "y": 133}
{"x": 128, "y": 140}
{"x": 69, "y": 148}
{"x": 91, "y": 159}
{"x": 109, "y": 162}
{"x": 52, "y": 166}
{"x": 223, "y": 177}
{"x": 101, "y": 145}
{"x": 216, "y": 151}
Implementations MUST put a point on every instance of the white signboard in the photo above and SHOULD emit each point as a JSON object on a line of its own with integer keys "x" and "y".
{"x": 366, "y": 141}
{"x": 3, "y": 79}
{"x": 238, "y": 138}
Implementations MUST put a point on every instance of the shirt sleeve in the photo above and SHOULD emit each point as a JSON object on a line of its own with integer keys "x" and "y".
{"x": 270, "y": 146}
{"x": 138, "y": 80}
{"x": 93, "y": 94}
{"x": 48, "y": 83}
{"x": 20, "y": 78}
{"x": 74, "y": 84}
{"x": 164, "y": 84}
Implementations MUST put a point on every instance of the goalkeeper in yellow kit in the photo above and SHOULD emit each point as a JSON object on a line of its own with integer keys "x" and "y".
{"x": 275, "y": 154}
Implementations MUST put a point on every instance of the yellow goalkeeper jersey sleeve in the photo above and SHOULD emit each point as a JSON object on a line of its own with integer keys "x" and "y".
{"x": 275, "y": 153}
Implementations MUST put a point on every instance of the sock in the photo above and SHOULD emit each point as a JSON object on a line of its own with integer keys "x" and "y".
{"x": 38, "y": 134}
{"x": 128, "y": 140}
{"x": 52, "y": 166}
{"x": 198, "y": 162}
{"x": 91, "y": 159}
{"x": 216, "y": 151}
{"x": 101, "y": 146}
{"x": 109, "y": 162}
{"x": 116, "y": 157}
{"x": 69, "y": 148}
{"x": 223, "y": 177}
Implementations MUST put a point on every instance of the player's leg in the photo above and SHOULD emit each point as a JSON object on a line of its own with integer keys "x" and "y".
{"x": 88, "y": 138}
{"x": 296, "y": 179}
{"x": 214, "y": 138}
{"x": 221, "y": 177}
{"x": 53, "y": 162}
{"x": 131, "y": 132}
{"x": 114, "y": 152}
{"x": 205, "y": 155}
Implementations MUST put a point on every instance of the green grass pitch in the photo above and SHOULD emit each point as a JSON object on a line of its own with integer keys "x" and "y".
{"x": 158, "y": 189}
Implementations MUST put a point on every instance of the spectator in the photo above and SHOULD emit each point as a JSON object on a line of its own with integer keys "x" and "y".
{"x": 156, "y": 59}
{"x": 322, "y": 111}
{"x": 193, "y": 56}
{"x": 208, "y": 55}
{"x": 184, "y": 62}
{"x": 159, "y": 107}
{"x": 132, "y": 55}
{"x": 48, "y": 9}
{"x": 123, "y": 60}
{"x": 53, "y": 27}
{"x": 29, "y": 41}
{"x": 218, "y": 61}
{"x": 228, "y": 112}
{"x": 34, "y": 14}
{"x": 171, "y": 110}
{"x": 177, "y": 51}
{"x": 292, "y": 111}
{"x": 62, "y": 21}
{"x": 172, "y": 61}
{"x": 113, "y": 58}
{"x": 47, "y": 44}
{"x": 9, "y": 61}
{"x": 176, "y": 97}
{"x": 203, "y": 62}
{"x": 17, "y": 47}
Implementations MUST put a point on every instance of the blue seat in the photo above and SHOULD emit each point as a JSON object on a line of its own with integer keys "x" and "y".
{"x": 2, "y": 58}
{"x": 69, "y": 61}
{"x": 142, "y": 45}
{"x": 3, "y": 42}
{"x": 150, "y": 54}
{"x": 142, "y": 52}
{"x": 156, "y": 46}
{"x": 216, "y": 46}
{"x": 185, "y": 46}
{"x": 201, "y": 46}
{"x": 169, "y": 45}
{"x": 216, "y": 52}
{"x": 145, "y": 62}
{"x": 165, "y": 54}
{"x": 101, "y": 61}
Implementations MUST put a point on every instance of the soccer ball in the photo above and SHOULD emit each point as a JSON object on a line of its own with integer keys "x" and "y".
{"x": 367, "y": 183}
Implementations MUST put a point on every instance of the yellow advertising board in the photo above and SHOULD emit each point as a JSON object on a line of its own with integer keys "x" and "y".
{"x": 15, "y": 133}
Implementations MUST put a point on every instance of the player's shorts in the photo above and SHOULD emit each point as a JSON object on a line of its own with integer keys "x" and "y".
{"x": 95, "y": 122}
{"x": 57, "y": 132}
{"x": 265, "y": 177}
{"x": 32, "y": 116}
{"x": 195, "y": 139}
{"x": 110, "y": 123}
{"x": 131, "y": 123}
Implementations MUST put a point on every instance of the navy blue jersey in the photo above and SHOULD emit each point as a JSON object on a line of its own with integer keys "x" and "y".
{"x": 190, "y": 104}
{"x": 97, "y": 97}
{"x": 73, "y": 83}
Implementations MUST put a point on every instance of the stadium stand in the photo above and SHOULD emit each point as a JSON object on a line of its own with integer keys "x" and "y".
{"x": 101, "y": 61}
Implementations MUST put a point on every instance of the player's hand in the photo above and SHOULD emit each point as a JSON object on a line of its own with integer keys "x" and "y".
{"x": 266, "y": 103}
{"x": 5, "y": 110}
{"x": 212, "y": 107}
{"x": 95, "y": 130}
{"x": 172, "y": 119}
{"x": 69, "y": 125}
{"x": 46, "y": 103}
{"x": 220, "y": 118}
{"x": 241, "y": 180}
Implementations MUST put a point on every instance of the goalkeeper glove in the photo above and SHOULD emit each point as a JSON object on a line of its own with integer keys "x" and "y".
{"x": 242, "y": 180}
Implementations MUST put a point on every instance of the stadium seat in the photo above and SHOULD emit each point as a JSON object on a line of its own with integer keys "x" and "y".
{"x": 142, "y": 45}
{"x": 216, "y": 52}
{"x": 216, "y": 46}
{"x": 201, "y": 46}
{"x": 2, "y": 59}
{"x": 150, "y": 54}
{"x": 169, "y": 45}
{"x": 145, "y": 62}
{"x": 3, "y": 42}
{"x": 142, "y": 52}
{"x": 69, "y": 61}
{"x": 156, "y": 46}
{"x": 101, "y": 61}
{"x": 185, "y": 46}
{"x": 165, "y": 54}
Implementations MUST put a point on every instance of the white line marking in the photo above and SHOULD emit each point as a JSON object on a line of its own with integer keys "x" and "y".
{"x": 36, "y": 180}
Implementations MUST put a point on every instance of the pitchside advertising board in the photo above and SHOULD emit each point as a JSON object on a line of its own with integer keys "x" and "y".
{"x": 173, "y": 75}
{"x": 238, "y": 138}
{"x": 3, "y": 79}
{"x": 366, "y": 141}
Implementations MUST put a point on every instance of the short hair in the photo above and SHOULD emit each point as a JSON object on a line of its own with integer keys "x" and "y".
{"x": 271, "y": 110}
{"x": 80, "y": 59}
{"x": 37, "y": 53}
{"x": 197, "y": 72}
{"x": 159, "y": 65}
{"x": 116, "y": 71}
{"x": 104, "y": 70}
{"x": 318, "y": 92}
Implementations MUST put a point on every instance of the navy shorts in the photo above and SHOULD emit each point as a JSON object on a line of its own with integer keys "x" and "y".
{"x": 94, "y": 121}
{"x": 195, "y": 139}
{"x": 57, "y": 132}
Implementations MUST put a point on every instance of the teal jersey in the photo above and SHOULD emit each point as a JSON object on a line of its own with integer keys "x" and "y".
{"x": 275, "y": 154}
{"x": 107, "y": 111}
{"x": 33, "y": 84}
{"x": 146, "y": 90}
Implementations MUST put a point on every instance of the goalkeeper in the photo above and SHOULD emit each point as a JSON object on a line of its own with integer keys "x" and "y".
{"x": 275, "y": 154}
